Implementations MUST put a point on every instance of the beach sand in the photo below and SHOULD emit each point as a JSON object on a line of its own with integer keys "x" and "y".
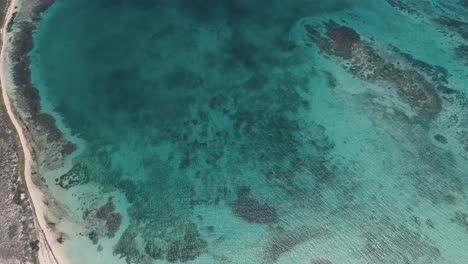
{"x": 49, "y": 251}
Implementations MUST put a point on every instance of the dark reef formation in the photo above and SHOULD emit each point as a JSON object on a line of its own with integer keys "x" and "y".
{"x": 104, "y": 211}
{"x": 113, "y": 222}
{"x": 105, "y": 214}
{"x": 403, "y": 6}
{"x": 188, "y": 248}
{"x": 344, "y": 39}
{"x": 365, "y": 62}
{"x": 429, "y": 91}
{"x": 455, "y": 25}
{"x": 449, "y": 23}
{"x": 76, "y": 176}
{"x": 433, "y": 73}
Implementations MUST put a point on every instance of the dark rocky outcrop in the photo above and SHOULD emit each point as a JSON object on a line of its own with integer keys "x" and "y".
{"x": 94, "y": 237}
{"x": 441, "y": 139}
{"x": 344, "y": 39}
{"x": 104, "y": 211}
{"x": 106, "y": 214}
{"x": 113, "y": 222}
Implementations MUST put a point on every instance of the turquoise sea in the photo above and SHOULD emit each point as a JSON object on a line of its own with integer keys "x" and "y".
{"x": 268, "y": 131}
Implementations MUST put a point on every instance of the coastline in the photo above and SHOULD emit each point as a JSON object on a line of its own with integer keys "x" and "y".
{"x": 49, "y": 251}
{"x": 347, "y": 199}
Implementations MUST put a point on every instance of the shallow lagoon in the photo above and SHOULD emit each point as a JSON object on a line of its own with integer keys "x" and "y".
{"x": 227, "y": 132}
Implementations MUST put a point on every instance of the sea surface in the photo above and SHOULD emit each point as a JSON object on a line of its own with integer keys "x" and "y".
{"x": 268, "y": 131}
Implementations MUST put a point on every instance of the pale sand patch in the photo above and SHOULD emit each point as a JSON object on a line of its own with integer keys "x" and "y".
{"x": 49, "y": 249}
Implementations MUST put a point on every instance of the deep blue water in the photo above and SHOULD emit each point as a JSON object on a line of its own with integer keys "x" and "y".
{"x": 224, "y": 132}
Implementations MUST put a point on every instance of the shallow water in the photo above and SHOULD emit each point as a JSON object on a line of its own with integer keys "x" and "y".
{"x": 226, "y": 132}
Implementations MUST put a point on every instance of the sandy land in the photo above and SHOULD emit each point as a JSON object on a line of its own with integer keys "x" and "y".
{"x": 49, "y": 249}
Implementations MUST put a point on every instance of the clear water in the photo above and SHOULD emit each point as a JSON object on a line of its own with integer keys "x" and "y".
{"x": 219, "y": 132}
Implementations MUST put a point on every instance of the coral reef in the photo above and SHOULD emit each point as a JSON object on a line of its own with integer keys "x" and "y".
{"x": 365, "y": 63}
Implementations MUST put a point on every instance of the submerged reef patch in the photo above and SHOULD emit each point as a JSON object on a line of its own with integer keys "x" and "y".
{"x": 104, "y": 220}
{"x": 285, "y": 240}
{"x": 462, "y": 52}
{"x": 395, "y": 243}
{"x": 403, "y": 6}
{"x": 251, "y": 210}
{"x": 321, "y": 261}
{"x": 78, "y": 175}
{"x": 464, "y": 3}
{"x": 364, "y": 62}
{"x": 458, "y": 26}
{"x": 438, "y": 181}
{"x": 461, "y": 218}
{"x": 185, "y": 249}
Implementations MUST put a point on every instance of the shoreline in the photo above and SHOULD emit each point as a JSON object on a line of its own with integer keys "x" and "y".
{"x": 49, "y": 251}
